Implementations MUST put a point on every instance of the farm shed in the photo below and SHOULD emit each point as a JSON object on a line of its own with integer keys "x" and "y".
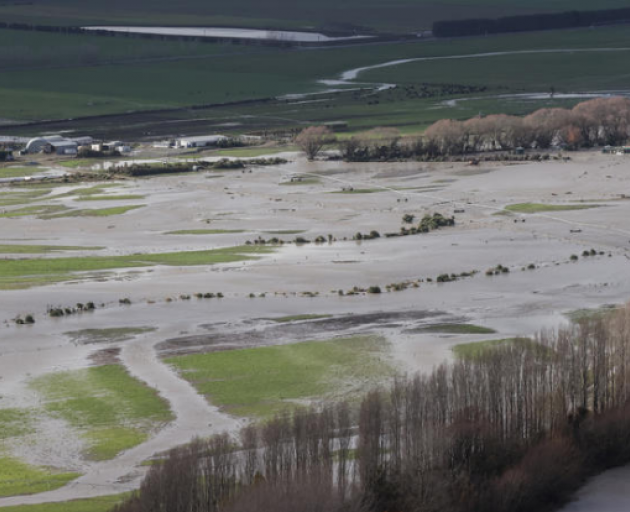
{"x": 200, "y": 142}
{"x": 55, "y": 144}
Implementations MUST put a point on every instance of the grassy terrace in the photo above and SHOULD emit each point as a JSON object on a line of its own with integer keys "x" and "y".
{"x": 24, "y": 273}
{"x": 262, "y": 381}
{"x": 111, "y": 409}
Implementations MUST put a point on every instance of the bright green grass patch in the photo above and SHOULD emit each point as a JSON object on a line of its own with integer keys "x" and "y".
{"x": 121, "y": 197}
{"x": 25, "y": 282}
{"x": 17, "y": 478}
{"x": 14, "y": 423}
{"x": 22, "y": 196}
{"x": 360, "y": 191}
{"x": 40, "y": 210}
{"x": 456, "y": 329}
{"x": 17, "y": 172}
{"x": 43, "y": 249}
{"x": 102, "y": 212}
{"x": 22, "y": 283}
{"x": 104, "y": 402}
{"x": 540, "y": 208}
{"x": 205, "y": 232}
{"x": 87, "y": 191}
{"x": 262, "y": 381}
{"x": 106, "y": 443}
{"x": 21, "y": 273}
{"x": 109, "y": 335}
{"x": 100, "y": 504}
{"x": 472, "y": 351}
{"x": 296, "y": 318}
{"x": 254, "y": 152}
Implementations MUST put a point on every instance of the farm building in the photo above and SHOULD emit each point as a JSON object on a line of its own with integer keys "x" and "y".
{"x": 200, "y": 142}
{"x": 56, "y": 144}
{"x": 115, "y": 145}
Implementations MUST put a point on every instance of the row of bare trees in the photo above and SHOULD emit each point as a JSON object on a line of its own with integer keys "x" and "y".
{"x": 514, "y": 428}
{"x": 601, "y": 121}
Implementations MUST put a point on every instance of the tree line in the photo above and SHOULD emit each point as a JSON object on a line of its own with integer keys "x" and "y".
{"x": 596, "y": 122}
{"x": 530, "y": 22}
{"x": 517, "y": 427}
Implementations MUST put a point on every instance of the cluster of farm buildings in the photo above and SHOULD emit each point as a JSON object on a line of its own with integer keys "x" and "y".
{"x": 72, "y": 146}
{"x": 56, "y": 144}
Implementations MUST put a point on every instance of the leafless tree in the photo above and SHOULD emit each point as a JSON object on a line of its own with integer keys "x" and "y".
{"x": 312, "y": 140}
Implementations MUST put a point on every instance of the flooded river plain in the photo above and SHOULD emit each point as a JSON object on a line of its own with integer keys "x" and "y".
{"x": 558, "y": 226}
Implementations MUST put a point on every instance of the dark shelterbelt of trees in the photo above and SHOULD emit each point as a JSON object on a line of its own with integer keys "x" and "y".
{"x": 514, "y": 428}
{"x": 531, "y": 22}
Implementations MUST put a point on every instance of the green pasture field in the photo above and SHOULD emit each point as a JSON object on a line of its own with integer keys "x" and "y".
{"x": 18, "y": 478}
{"x": 28, "y": 49}
{"x": 113, "y": 410}
{"x": 582, "y": 71}
{"x": 80, "y": 90}
{"x": 24, "y": 273}
{"x": 262, "y": 381}
{"x": 395, "y": 15}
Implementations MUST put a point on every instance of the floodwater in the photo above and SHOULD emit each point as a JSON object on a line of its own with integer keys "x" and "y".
{"x": 231, "y": 33}
{"x": 244, "y": 205}
{"x": 607, "y": 492}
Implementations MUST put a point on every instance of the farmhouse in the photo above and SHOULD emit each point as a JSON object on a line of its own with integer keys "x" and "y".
{"x": 200, "y": 142}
